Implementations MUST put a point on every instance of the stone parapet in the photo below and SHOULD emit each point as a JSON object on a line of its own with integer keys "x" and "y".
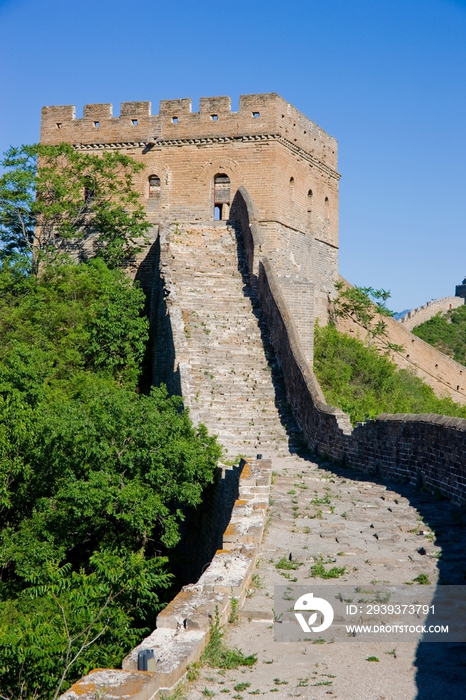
{"x": 423, "y": 450}
{"x": 183, "y": 626}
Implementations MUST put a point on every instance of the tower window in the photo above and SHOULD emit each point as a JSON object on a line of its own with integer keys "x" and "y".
{"x": 96, "y": 124}
{"x": 327, "y": 208}
{"x": 221, "y": 197}
{"x": 134, "y": 122}
{"x": 175, "y": 120}
{"x": 154, "y": 186}
{"x": 214, "y": 117}
{"x": 58, "y": 125}
{"x": 256, "y": 115}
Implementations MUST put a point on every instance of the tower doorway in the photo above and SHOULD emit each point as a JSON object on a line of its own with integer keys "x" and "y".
{"x": 221, "y": 197}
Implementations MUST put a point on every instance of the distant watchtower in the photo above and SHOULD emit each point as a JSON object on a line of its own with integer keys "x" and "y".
{"x": 195, "y": 163}
{"x": 460, "y": 290}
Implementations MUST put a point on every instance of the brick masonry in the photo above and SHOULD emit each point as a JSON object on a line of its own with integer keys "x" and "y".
{"x": 424, "y": 450}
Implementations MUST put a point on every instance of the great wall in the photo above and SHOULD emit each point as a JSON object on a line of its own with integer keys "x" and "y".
{"x": 242, "y": 261}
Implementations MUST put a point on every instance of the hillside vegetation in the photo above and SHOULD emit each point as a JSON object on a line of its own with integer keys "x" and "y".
{"x": 94, "y": 473}
{"x": 363, "y": 383}
{"x": 447, "y": 333}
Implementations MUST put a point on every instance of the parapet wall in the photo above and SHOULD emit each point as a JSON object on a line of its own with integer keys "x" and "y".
{"x": 424, "y": 450}
{"x": 183, "y": 627}
{"x": 423, "y": 313}
{"x": 176, "y": 120}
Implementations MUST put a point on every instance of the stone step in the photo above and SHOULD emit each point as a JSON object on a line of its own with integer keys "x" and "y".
{"x": 234, "y": 374}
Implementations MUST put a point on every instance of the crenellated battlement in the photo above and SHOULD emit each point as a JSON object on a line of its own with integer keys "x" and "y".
{"x": 262, "y": 114}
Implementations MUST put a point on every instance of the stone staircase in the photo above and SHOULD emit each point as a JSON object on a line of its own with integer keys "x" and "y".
{"x": 236, "y": 387}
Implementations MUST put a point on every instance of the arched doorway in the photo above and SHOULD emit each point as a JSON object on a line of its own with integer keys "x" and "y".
{"x": 221, "y": 197}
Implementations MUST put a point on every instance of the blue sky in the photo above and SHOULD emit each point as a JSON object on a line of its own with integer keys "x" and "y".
{"x": 387, "y": 79}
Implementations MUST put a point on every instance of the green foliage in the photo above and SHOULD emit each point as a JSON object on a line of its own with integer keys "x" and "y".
{"x": 366, "y": 306}
{"x": 65, "y": 620}
{"x": 285, "y": 563}
{"x": 447, "y": 333}
{"x": 52, "y": 195}
{"x": 363, "y": 384}
{"x": 93, "y": 475}
{"x": 318, "y": 570}
{"x": 217, "y": 655}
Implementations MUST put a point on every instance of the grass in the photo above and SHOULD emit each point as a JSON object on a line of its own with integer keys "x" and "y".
{"x": 316, "y": 501}
{"x": 363, "y": 383}
{"x": 233, "y": 617}
{"x": 318, "y": 570}
{"x": 239, "y": 687}
{"x": 217, "y": 655}
{"x": 285, "y": 563}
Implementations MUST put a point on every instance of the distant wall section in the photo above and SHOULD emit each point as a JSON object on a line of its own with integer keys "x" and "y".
{"x": 423, "y": 313}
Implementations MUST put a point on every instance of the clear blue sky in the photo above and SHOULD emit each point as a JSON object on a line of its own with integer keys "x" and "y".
{"x": 387, "y": 78}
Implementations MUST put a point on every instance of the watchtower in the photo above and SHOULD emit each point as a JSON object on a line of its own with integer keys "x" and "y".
{"x": 196, "y": 162}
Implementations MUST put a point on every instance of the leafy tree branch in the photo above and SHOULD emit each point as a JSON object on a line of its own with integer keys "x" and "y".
{"x": 367, "y": 307}
{"x": 55, "y": 199}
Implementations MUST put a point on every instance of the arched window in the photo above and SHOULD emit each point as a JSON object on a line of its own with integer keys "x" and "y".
{"x": 154, "y": 186}
{"x": 327, "y": 208}
{"x": 221, "y": 197}
{"x": 309, "y": 194}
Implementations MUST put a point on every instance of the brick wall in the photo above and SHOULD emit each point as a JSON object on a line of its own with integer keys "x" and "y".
{"x": 423, "y": 450}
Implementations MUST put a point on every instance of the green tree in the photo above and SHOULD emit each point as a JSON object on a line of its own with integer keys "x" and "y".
{"x": 66, "y": 622}
{"x": 94, "y": 475}
{"x": 56, "y": 198}
{"x": 368, "y": 307}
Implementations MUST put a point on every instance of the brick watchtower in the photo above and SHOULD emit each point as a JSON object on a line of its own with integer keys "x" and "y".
{"x": 195, "y": 163}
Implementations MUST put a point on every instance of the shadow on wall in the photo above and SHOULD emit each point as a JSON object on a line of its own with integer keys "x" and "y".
{"x": 246, "y": 239}
{"x": 203, "y": 528}
{"x": 161, "y": 333}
